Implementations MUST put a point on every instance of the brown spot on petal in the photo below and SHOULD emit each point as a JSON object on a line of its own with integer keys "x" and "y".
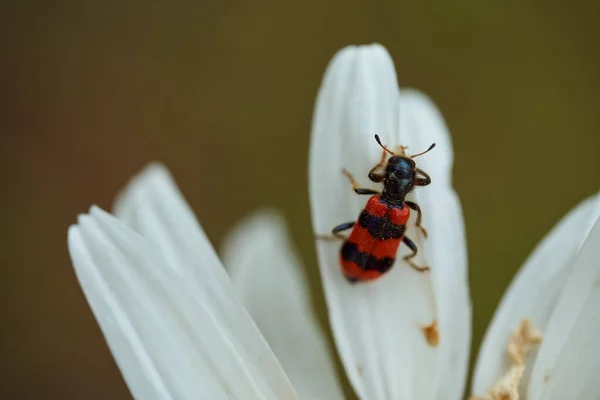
{"x": 359, "y": 370}
{"x": 432, "y": 334}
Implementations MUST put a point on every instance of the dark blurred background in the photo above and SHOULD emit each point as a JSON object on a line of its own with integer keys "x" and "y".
{"x": 92, "y": 90}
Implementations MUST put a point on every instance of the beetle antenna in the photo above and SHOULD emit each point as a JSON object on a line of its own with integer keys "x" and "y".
{"x": 420, "y": 154}
{"x": 383, "y": 147}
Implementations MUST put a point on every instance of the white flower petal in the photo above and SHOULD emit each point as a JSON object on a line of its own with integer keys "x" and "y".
{"x": 378, "y": 325}
{"x": 445, "y": 248}
{"x": 568, "y": 364}
{"x": 533, "y": 293}
{"x": 266, "y": 274}
{"x": 153, "y": 206}
{"x": 162, "y": 336}
{"x": 137, "y": 366}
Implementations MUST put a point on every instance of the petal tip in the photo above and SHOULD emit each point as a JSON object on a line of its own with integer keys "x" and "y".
{"x": 264, "y": 222}
{"x": 350, "y": 52}
{"x": 152, "y": 173}
{"x": 99, "y": 213}
{"x": 82, "y": 219}
{"x": 72, "y": 233}
{"x": 94, "y": 209}
{"x": 154, "y": 170}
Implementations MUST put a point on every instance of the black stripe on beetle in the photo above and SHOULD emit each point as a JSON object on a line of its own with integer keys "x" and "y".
{"x": 365, "y": 260}
{"x": 380, "y": 227}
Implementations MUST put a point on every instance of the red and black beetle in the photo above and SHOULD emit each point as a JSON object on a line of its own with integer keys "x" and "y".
{"x": 370, "y": 250}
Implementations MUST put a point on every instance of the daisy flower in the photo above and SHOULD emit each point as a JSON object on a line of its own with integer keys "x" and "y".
{"x": 181, "y": 326}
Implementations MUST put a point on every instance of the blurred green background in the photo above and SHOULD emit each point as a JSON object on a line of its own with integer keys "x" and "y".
{"x": 92, "y": 90}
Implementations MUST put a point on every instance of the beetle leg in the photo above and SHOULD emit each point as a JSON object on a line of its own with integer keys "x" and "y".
{"x": 413, "y": 247}
{"x": 335, "y": 232}
{"x": 422, "y": 181}
{"x": 415, "y": 206}
{"x": 356, "y": 186}
{"x": 377, "y": 173}
{"x": 342, "y": 227}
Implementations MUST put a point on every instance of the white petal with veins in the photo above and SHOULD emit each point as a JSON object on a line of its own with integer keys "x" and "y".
{"x": 533, "y": 293}
{"x": 153, "y": 206}
{"x": 137, "y": 366}
{"x": 174, "y": 344}
{"x": 568, "y": 364}
{"x": 266, "y": 275}
{"x": 377, "y": 325}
